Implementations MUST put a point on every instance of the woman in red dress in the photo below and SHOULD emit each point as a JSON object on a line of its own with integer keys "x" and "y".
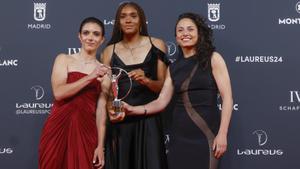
{"x": 69, "y": 138}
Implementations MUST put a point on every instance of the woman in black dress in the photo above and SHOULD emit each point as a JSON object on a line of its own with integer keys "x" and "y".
{"x": 199, "y": 136}
{"x": 135, "y": 142}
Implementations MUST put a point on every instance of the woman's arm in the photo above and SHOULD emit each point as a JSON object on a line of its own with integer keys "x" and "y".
{"x": 62, "y": 89}
{"x": 101, "y": 122}
{"x": 154, "y": 85}
{"x": 222, "y": 78}
{"x": 157, "y": 105}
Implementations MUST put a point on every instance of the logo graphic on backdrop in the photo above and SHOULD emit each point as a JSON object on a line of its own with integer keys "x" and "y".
{"x": 36, "y": 105}
{"x": 39, "y": 92}
{"x": 39, "y": 15}
{"x": 172, "y": 49}
{"x": 214, "y": 15}
{"x": 219, "y": 100}
{"x": 39, "y": 11}
{"x": 167, "y": 142}
{"x": 213, "y": 12}
{"x": 7, "y": 62}
{"x": 259, "y": 59}
{"x": 294, "y": 101}
{"x": 291, "y": 20}
{"x": 262, "y": 137}
{"x": 73, "y": 50}
{"x": 298, "y": 7}
{"x": 260, "y": 148}
{"x": 6, "y": 150}
{"x": 108, "y": 21}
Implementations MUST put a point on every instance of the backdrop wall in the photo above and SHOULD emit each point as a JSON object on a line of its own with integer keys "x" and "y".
{"x": 259, "y": 40}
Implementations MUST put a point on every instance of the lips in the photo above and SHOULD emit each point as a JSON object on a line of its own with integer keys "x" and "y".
{"x": 90, "y": 44}
{"x": 185, "y": 39}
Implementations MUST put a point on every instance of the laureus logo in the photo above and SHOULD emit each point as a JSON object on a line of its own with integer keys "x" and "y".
{"x": 34, "y": 107}
{"x": 171, "y": 48}
{"x": 262, "y": 137}
{"x": 39, "y": 92}
{"x": 39, "y": 13}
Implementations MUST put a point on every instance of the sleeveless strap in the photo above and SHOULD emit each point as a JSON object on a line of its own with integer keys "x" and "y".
{"x": 114, "y": 47}
{"x": 150, "y": 40}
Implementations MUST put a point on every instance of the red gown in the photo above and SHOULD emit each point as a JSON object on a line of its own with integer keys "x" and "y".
{"x": 69, "y": 136}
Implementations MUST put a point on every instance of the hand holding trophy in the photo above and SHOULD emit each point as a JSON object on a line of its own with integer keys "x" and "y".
{"x": 116, "y": 112}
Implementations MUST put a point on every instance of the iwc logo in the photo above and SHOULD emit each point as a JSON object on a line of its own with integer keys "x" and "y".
{"x": 294, "y": 100}
{"x": 73, "y": 50}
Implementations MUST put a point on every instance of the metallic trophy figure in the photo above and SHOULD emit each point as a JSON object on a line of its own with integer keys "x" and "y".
{"x": 117, "y": 102}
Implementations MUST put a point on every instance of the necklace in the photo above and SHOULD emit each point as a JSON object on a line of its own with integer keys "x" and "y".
{"x": 86, "y": 61}
{"x": 131, "y": 49}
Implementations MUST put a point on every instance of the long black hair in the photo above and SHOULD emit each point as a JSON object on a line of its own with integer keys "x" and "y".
{"x": 204, "y": 45}
{"x": 117, "y": 34}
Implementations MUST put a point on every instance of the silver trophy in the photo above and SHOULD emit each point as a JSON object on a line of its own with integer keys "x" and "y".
{"x": 117, "y": 100}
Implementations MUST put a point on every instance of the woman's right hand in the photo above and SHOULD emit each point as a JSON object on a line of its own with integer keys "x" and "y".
{"x": 99, "y": 72}
{"x": 98, "y": 159}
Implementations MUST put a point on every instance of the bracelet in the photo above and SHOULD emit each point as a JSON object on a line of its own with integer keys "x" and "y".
{"x": 145, "y": 110}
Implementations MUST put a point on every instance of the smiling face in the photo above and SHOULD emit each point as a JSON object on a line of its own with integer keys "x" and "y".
{"x": 129, "y": 20}
{"x": 91, "y": 36}
{"x": 186, "y": 33}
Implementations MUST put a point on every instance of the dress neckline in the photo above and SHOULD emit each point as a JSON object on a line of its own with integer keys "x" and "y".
{"x": 77, "y": 72}
{"x": 136, "y": 64}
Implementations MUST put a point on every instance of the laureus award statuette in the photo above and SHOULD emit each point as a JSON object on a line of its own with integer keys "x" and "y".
{"x": 117, "y": 101}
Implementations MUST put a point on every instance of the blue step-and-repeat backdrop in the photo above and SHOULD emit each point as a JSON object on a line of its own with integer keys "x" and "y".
{"x": 259, "y": 40}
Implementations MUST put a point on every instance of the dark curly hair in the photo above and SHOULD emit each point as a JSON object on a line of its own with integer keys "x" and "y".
{"x": 117, "y": 34}
{"x": 204, "y": 45}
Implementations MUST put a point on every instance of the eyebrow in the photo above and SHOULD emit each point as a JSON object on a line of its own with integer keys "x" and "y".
{"x": 128, "y": 13}
{"x": 85, "y": 30}
{"x": 190, "y": 26}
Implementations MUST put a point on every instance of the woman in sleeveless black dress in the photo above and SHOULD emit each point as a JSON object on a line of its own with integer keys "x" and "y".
{"x": 199, "y": 130}
{"x": 135, "y": 142}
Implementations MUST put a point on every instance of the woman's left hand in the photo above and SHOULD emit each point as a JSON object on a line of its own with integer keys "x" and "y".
{"x": 98, "y": 159}
{"x": 139, "y": 76}
{"x": 220, "y": 145}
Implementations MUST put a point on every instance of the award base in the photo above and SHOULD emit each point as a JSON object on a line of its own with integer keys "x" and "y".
{"x": 117, "y": 106}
